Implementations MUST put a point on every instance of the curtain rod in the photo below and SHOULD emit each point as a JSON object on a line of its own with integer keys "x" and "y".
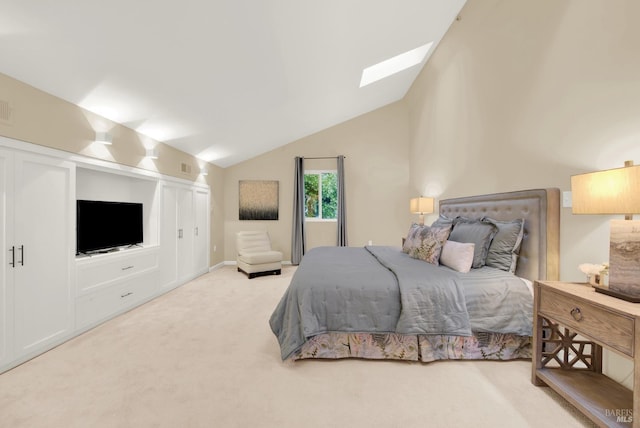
{"x": 323, "y": 157}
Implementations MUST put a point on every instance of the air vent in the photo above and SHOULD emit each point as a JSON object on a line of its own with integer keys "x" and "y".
{"x": 185, "y": 168}
{"x": 5, "y": 112}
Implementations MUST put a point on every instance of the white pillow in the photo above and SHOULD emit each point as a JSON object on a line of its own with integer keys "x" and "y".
{"x": 457, "y": 255}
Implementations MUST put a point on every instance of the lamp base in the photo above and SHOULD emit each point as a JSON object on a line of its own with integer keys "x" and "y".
{"x": 633, "y": 298}
{"x": 624, "y": 259}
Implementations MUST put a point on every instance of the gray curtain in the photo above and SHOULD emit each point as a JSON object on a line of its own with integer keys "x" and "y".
{"x": 342, "y": 206}
{"x": 297, "y": 236}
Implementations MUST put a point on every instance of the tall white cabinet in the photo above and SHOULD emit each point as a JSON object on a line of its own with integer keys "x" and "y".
{"x": 38, "y": 223}
{"x": 201, "y": 215}
{"x": 185, "y": 233}
{"x": 6, "y": 318}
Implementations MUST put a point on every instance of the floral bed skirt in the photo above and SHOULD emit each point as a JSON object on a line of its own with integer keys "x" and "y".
{"x": 480, "y": 346}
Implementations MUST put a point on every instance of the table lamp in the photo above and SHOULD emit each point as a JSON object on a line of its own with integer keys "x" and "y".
{"x": 615, "y": 191}
{"x": 421, "y": 206}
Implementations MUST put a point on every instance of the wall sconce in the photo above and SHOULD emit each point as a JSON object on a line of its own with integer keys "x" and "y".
{"x": 204, "y": 171}
{"x": 421, "y": 206}
{"x": 103, "y": 138}
{"x": 615, "y": 191}
{"x": 152, "y": 153}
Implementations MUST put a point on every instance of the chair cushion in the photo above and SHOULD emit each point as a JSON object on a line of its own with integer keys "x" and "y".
{"x": 261, "y": 257}
{"x": 263, "y": 267}
{"x": 252, "y": 241}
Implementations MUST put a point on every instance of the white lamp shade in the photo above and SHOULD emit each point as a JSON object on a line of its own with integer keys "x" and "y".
{"x": 613, "y": 191}
{"x": 421, "y": 205}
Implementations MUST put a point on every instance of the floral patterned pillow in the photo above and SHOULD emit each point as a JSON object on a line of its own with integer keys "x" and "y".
{"x": 408, "y": 241}
{"x": 425, "y": 243}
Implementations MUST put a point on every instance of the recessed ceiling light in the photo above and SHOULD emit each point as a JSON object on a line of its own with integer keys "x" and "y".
{"x": 394, "y": 65}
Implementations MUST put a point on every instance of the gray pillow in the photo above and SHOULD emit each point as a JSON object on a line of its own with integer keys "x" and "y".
{"x": 505, "y": 246}
{"x": 477, "y": 232}
{"x": 442, "y": 221}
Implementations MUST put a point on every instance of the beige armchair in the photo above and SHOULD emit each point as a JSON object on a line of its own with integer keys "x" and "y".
{"x": 255, "y": 256}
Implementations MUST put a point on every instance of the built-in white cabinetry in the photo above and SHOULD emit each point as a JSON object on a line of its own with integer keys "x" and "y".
{"x": 184, "y": 234}
{"x": 38, "y": 222}
{"x": 48, "y": 293}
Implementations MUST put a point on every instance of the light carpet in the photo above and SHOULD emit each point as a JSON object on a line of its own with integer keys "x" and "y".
{"x": 203, "y": 356}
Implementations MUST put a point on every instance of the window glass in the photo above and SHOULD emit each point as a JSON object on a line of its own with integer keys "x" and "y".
{"x": 321, "y": 195}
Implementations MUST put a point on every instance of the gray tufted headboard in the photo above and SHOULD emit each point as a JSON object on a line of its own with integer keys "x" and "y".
{"x": 540, "y": 208}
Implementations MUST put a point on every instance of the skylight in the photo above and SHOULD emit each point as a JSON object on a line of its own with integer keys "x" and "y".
{"x": 394, "y": 65}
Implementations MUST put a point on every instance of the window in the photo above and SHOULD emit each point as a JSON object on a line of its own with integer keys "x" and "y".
{"x": 321, "y": 195}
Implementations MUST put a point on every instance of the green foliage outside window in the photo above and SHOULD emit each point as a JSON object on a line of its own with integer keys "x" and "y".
{"x": 321, "y": 195}
{"x": 311, "y": 195}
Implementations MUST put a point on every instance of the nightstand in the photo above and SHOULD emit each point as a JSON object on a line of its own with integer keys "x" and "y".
{"x": 572, "y": 324}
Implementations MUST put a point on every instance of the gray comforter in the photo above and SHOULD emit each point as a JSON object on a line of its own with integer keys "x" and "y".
{"x": 382, "y": 290}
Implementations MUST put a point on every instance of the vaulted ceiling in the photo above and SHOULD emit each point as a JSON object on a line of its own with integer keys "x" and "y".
{"x": 221, "y": 80}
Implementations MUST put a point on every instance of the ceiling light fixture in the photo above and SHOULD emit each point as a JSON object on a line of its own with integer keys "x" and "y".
{"x": 103, "y": 138}
{"x": 394, "y": 65}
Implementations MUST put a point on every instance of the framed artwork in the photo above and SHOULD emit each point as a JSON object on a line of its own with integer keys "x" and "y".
{"x": 258, "y": 199}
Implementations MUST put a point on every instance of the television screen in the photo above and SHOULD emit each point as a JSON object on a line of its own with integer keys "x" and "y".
{"x": 107, "y": 225}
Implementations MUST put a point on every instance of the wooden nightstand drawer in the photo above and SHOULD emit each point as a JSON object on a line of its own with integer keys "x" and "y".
{"x": 600, "y": 324}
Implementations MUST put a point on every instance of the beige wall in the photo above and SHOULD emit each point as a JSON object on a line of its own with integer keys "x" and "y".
{"x": 376, "y": 147}
{"x": 518, "y": 94}
{"x": 43, "y": 119}
{"x": 523, "y": 94}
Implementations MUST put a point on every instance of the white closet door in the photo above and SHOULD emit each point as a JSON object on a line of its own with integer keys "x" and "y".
{"x": 185, "y": 233}
{"x": 44, "y": 226}
{"x": 6, "y": 271}
{"x": 201, "y": 238}
{"x": 169, "y": 237}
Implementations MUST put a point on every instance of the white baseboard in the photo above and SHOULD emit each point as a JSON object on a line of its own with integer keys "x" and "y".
{"x": 216, "y": 267}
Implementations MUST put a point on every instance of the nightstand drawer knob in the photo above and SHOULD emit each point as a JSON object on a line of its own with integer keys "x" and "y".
{"x": 576, "y": 314}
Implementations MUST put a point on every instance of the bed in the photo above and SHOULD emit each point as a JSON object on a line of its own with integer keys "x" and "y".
{"x": 387, "y": 303}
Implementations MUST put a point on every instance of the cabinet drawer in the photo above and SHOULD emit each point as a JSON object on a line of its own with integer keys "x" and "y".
{"x": 600, "y": 324}
{"x": 107, "y": 303}
{"x": 94, "y": 274}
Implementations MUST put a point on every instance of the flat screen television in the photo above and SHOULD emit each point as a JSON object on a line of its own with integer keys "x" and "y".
{"x": 103, "y": 226}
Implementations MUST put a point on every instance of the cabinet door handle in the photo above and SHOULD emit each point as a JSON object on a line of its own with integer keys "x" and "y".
{"x": 21, "y": 255}
{"x": 196, "y": 231}
{"x": 13, "y": 256}
{"x": 179, "y": 233}
{"x": 127, "y": 267}
{"x": 576, "y": 314}
{"x": 126, "y": 294}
